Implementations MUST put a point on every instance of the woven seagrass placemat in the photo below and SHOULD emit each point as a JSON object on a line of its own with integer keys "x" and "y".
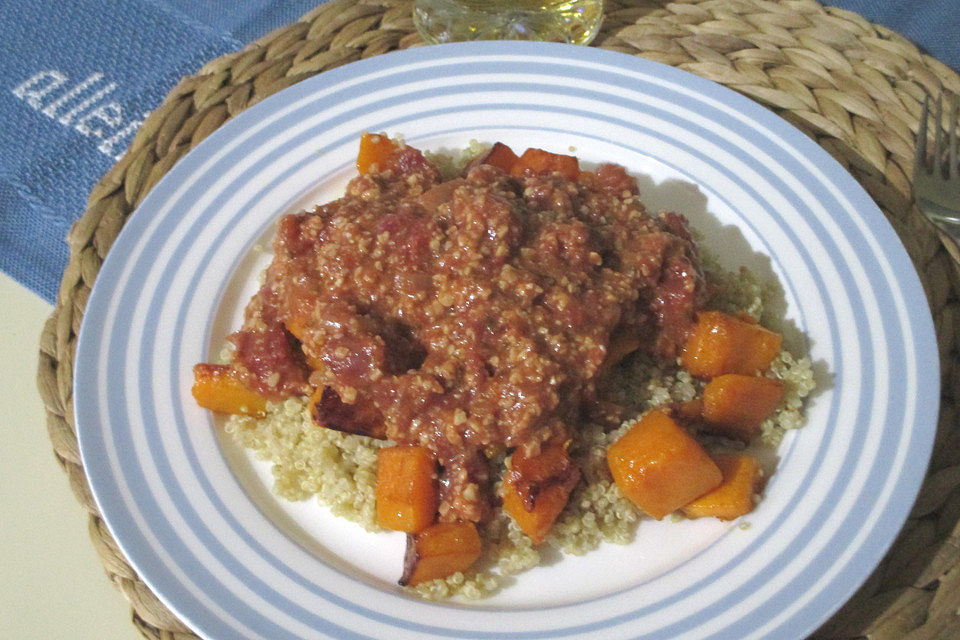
{"x": 854, "y": 87}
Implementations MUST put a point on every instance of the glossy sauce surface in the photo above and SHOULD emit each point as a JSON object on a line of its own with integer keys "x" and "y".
{"x": 468, "y": 316}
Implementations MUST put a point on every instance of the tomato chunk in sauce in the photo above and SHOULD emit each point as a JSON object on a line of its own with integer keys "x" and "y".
{"x": 469, "y": 316}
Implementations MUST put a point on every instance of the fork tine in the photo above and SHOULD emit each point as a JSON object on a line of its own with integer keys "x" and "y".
{"x": 952, "y": 123}
{"x": 920, "y": 162}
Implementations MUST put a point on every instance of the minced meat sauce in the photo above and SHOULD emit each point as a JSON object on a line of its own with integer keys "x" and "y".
{"x": 469, "y": 316}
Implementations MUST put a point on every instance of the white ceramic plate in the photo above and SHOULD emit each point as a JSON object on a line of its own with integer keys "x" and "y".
{"x": 196, "y": 517}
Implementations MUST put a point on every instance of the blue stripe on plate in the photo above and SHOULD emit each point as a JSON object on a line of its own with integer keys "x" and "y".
{"x": 128, "y": 534}
{"x": 572, "y": 111}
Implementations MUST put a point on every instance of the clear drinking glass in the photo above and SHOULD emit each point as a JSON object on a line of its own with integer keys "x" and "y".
{"x": 573, "y": 21}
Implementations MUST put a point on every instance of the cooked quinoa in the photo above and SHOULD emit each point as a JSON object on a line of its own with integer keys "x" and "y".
{"x": 340, "y": 469}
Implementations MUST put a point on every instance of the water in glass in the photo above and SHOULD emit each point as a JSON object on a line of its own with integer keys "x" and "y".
{"x": 573, "y": 21}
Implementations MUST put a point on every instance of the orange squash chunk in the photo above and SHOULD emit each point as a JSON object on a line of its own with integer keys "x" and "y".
{"x": 734, "y": 497}
{"x": 328, "y": 410}
{"x": 376, "y": 149}
{"x": 722, "y": 343}
{"x": 659, "y": 466}
{"x": 217, "y": 388}
{"x": 297, "y": 327}
{"x": 735, "y": 405}
{"x": 622, "y": 343}
{"x": 536, "y": 522}
{"x": 537, "y": 488}
{"x": 501, "y": 156}
{"x": 690, "y": 411}
{"x": 439, "y": 551}
{"x": 407, "y": 489}
{"x": 539, "y": 162}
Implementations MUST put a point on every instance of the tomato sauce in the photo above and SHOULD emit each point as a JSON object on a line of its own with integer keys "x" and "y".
{"x": 469, "y": 316}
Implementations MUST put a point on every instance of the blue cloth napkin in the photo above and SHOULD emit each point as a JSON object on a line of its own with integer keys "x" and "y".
{"x": 934, "y": 25}
{"x": 79, "y": 76}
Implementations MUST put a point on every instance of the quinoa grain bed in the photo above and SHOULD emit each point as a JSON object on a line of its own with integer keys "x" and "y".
{"x": 494, "y": 321}
{"x": 338, "y": 470}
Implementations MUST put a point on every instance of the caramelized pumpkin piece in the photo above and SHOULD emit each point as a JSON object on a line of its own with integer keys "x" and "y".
{"x": 375, "y": 152}
{"x": 537, "y": 488}
{"x": 328, "y": 410}
{"x": 659, "y": 466}
{"x": 622, "y": 343}
{"x": 734, "y": 497}
{"x": 536, "y": 522}
{"x": 532, "y": 474}
{"x": 689, "y": 411}
{"x": 722, "y": 343}
{"x": 407, "y": 489}
{"x": 439, "y": 551}
{"x": 297, "y": 328}
{"x": 216, "y": 387}
{"x": 501, "y": 156}
{"x": 540, "y": 162}
{"x": 735, "y": 405}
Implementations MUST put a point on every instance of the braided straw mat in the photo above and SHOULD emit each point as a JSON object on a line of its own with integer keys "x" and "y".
{"x": 854, "y": 87}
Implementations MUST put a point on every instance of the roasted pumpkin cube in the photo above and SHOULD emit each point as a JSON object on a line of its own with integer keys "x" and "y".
{"x": 407, "y": 488}
{"x": 742, "y": 477}
{"x": 722, "y": 343}
{"x": 659, "y": 466}
{"x": 329, "y": 411}
{"x": 539, "y": 162}
{"x": 736, "y": 405}
{"x": 537, "y": 488}
{"x": 439, "y": 551}
{"x": 375, "y": 152}
{"x": 500, "y": 156}
{"x": 622, "y": 343}
{"x": 218, "y": 388}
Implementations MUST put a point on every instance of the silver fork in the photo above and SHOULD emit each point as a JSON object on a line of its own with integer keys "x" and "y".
{"x": 936, "y": 181}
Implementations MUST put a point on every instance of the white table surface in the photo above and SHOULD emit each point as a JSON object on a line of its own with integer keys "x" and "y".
{"x": 54, "y": 584}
